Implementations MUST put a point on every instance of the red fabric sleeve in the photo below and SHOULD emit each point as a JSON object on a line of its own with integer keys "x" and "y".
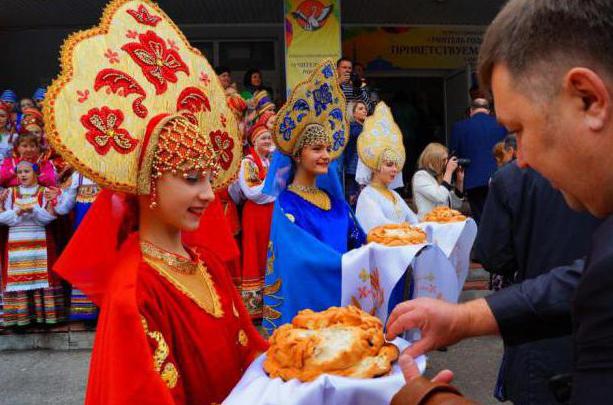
{"x": 257, "y": 344}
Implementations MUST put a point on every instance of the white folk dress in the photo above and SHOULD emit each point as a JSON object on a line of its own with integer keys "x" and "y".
{"x": 374, "y": 209}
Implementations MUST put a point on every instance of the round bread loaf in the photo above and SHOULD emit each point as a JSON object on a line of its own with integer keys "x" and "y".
{"x": 341, "y": 341}
{"x": 397, "y": 235}
{"x": 443, "y": 215}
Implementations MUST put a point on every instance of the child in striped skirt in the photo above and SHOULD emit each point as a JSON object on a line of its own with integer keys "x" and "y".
{"x": 31, "y": 293}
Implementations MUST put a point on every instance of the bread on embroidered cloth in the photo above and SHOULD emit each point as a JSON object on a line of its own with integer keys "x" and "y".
{"x": 344, "y": 341}
{"x": 397, "y": 235}
{"x": 443, "y": 215}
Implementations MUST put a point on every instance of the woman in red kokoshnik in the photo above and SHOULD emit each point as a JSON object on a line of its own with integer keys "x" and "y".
{"x": 139, "y": 111}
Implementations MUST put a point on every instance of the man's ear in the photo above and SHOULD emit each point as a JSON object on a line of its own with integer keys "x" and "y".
{"x": 593, "y": 100}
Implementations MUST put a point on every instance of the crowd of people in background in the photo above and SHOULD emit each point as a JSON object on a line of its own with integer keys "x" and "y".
{"x": 44, "y": 200}
{"x": 41, "y": 202}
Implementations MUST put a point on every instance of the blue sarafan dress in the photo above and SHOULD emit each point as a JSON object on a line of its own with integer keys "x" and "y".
{"x": 305, "y": 249}
{"x": 304, "y": 256}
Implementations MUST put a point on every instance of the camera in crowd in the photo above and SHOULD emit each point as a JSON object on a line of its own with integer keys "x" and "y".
{"x": 461, "y": 162}
{"x": 355, "y": 79}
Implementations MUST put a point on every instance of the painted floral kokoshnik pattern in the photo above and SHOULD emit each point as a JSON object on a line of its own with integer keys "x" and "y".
{"x": 223, "y": 144}
{"x": 159, "y": 64}
{"x": 103, "y": 131}
{"x": 322, "y": 97}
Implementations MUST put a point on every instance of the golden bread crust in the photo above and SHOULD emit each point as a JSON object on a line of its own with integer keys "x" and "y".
{"x": 444, "y": 215}
{"x": 397, "y": 235}
{"x": 341, "y": 341}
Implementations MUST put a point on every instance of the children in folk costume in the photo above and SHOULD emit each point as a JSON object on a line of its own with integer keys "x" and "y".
{"x": 32, "y": 122}
{"x": 27, "y": 147}
{"x": 257, "y": 215}
{"x": 258, "y": 105}
{"x": 312, "y": 225}
{"x": 382, "y": 158}
{"x": 32, "y": 294}
{"x": 172, "y": 327}
{"x": 78, "y": 195}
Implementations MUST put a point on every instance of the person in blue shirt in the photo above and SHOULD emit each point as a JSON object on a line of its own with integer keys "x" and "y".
{"x": 473, "y": 139}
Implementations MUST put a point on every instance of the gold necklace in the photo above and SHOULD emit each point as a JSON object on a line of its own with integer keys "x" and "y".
{"x": 180, "y": 264}
{"x": 384, "y": 191}
{"x": 313, "y": 195}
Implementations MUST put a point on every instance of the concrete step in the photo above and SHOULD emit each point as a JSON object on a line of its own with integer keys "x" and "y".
{"x": 469, "y": 295}
{"x": 47, "y": 340}
{"x": 475, "y": 274}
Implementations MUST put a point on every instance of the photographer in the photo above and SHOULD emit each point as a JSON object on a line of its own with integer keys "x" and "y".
{"x": 432, "y": 183}
{"x": 474, "y": 139}
{"x": 351, "y": 84}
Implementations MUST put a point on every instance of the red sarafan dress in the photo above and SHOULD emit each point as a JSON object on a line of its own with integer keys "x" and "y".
{"x": 155, "y": 343}
{"x": 257, "y": 215}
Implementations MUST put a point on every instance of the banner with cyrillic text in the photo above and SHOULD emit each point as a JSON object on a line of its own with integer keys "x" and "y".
{"x": 312, "y": 34}
{"x": 393, "y": 48}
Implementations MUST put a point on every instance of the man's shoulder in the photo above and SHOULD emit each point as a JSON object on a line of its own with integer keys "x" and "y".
{"x": 510, "y": 173}
{"x": 487, "y": 120}
{"x": 593, "y": 305}
{"x": 597, "y": 281}
{"x": 602, "y": 248}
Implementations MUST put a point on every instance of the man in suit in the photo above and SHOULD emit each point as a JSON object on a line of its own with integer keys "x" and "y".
{"x": 553, "y": 86}
{"x": 526, "y": 230}
{"x": 474, "y": 139}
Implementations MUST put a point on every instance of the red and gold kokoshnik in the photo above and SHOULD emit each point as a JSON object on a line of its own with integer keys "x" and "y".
{"x": 134, "y": 100}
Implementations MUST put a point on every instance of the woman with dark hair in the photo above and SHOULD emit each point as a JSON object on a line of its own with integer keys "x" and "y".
{"x": 172, "y": 327}
{"x": 253, "y": 82}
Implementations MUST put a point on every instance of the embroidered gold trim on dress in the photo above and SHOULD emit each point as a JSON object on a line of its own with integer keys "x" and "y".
{"x": 271, "y": 313}
{"x": 270, "y": 258}
{"x": 385, "y": 192}
{"x": 216, "y": 311}
{"x": 243, "y": 340}
{"x": 180, "y": 264}
{"x": 313, "y": 195}
{"x": 169, "y": 375}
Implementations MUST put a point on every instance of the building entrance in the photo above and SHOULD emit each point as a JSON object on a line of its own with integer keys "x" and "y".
{"x": 425, "y": 105}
